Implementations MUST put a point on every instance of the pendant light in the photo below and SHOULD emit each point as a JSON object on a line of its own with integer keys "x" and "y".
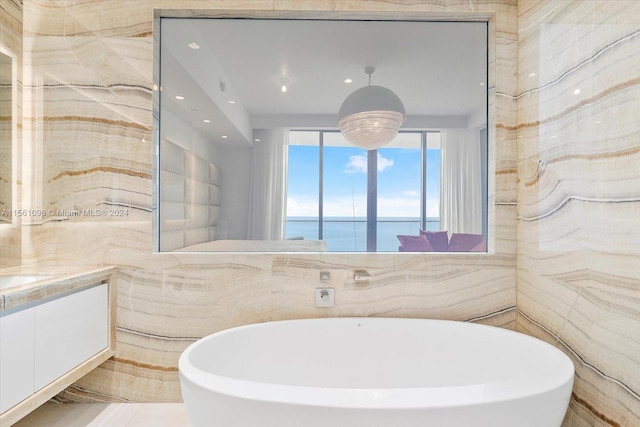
{"x": 371, "y": 116}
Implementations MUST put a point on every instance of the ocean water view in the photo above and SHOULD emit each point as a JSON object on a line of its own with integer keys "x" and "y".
{"x": 344, "y": 234}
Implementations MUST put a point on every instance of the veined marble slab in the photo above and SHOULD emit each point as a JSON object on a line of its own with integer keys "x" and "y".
{"x": 11, "y": 42}
{"x": 579, "y": 197}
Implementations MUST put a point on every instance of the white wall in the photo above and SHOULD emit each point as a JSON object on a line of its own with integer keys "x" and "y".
{"x": 235, "y": 164}
{"x": 183, "y": 135}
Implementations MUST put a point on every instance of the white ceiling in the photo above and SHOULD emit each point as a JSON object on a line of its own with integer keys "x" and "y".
{"x": 438, "y": 69}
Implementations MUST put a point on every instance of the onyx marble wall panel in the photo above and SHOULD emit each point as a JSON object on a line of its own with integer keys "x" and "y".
{"x": 579, "y": 196}
{"x": 90, "y": 128}
{"x": 11, "y": 41}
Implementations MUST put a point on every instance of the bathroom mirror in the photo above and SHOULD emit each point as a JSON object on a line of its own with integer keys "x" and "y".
{"x": 250, "y": 157}
{"x": 7, "y": 136}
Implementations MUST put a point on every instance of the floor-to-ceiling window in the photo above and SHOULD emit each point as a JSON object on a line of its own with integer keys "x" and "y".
{"x": 359, "y": 200}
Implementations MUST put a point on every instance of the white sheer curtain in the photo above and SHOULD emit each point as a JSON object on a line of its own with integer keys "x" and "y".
{"x": 268, "y": 198}
{"x": 461, "y": 181}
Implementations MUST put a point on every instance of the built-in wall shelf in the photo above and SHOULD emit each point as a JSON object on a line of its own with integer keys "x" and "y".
{"x": 52, "y": 333}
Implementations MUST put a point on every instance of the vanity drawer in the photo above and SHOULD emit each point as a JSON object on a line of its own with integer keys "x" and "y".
{"x": 68, "y": 331}
{"x": 16, "y": 357}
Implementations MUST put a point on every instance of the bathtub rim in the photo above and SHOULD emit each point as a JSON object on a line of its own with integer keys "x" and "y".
{"x": 380, "y": 398}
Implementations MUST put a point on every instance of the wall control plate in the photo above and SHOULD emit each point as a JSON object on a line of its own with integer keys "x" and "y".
{"x": 325, "y": 297}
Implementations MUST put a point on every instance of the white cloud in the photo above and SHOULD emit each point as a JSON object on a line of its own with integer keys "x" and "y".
{"x": 302, "y": 208}
{"x": 433, "y": 208}
{"x": 358, "y": 164}
{"x": 337, "y": 206}
{"x": 384, "y": 163}
{"x": 399, "y": 206}
{"x": 410, "y": 193}
{"x": 346, "y": 206}
{"x": 357, "y": 206}
{"x": 406, "y": 207}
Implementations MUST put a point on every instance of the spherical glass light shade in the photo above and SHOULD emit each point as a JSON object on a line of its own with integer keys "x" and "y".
{"x": 371, "y": 117}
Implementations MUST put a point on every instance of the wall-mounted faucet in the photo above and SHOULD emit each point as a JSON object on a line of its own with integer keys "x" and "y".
{"x": 361, "y": 276}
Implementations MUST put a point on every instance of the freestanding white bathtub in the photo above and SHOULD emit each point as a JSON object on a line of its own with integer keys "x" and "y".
{"x": 374, "y": 372}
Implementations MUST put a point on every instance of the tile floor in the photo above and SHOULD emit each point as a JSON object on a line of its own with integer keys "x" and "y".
{"x": 107, "y": 415}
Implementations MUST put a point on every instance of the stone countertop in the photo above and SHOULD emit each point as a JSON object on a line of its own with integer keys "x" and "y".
{"x": 63, "y": 280}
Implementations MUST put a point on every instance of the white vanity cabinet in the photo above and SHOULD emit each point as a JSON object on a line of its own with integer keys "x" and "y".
{"x": 69, "y": 330}
{"x": 17, "y": 332}
{"x": 47, "y": 344}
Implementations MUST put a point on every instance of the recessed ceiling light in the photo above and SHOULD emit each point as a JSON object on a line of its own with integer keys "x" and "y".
{"x": 224, "y": 136}
{"x": 194, "y": 45}
{"x": 207, "y": 121}
{"x": 481, "y": 83}
{"x": 576, "y": 92}
{"x": 284, "y": 82}
{"x": 231, "y": 102}
{"x": 179, "y": 97}
{"x": 256, "y": 139}
{"x": 347, "y": 81}
{"x": 532, "y": 75}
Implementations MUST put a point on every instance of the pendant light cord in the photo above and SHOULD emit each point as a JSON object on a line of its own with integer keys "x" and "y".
{"x": 369, "y": 72}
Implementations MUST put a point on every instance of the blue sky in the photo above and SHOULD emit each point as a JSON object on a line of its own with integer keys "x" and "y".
{"x": 345, "y": 182}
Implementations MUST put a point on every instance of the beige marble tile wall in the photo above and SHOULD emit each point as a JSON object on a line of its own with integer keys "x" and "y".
{"x": 89, "y": 113}
{"x": 579, "y": 196}
{"x": 11, "y": 41}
